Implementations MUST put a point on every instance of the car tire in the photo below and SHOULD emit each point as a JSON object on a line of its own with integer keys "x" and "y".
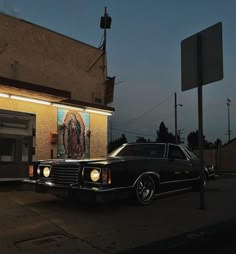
{"x": 197, "y": 186}
{"x": 145, "y": 190}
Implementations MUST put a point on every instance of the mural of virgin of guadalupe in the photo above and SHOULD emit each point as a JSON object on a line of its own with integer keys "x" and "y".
{"x": 73, "y": 135}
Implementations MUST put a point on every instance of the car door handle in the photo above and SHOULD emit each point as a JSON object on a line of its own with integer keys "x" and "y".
{"x": 177, "y": 172}
{"x": 186, "y": 172}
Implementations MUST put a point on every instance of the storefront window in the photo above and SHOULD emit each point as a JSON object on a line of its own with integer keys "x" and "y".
{"x": 7, "y": 150}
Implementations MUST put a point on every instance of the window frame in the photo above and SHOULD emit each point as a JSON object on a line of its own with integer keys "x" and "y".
{"x": 182, "y": 151}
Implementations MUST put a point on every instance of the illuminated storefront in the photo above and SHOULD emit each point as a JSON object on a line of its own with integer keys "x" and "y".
{"x": 52, "y": 97}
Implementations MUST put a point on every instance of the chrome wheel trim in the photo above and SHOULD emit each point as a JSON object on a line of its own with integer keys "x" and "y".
{"x": 205, "y": 181}
{"x": 145, "y": 190}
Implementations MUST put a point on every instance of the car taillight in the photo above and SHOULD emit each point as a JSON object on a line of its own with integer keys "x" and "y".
{"x": 106, "y": 176}
{"x": 31, "y": 171}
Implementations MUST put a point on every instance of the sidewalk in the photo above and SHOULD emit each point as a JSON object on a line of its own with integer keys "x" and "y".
{"x": 24, "y": 231}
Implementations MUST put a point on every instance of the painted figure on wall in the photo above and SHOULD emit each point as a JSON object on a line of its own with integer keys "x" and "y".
{"x": 73, "y": 131}
{"x": 75, "y": 146}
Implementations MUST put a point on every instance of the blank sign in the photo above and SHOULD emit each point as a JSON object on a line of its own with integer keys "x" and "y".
{"x": 202, "y": 58}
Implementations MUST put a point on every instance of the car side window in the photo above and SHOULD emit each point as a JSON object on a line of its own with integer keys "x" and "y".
{"x": 144, "y": 150}
{"x": 156, "y": 151}
{"x": 176, "y": 153}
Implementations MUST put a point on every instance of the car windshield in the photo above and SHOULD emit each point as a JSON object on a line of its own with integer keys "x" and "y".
{"x": 140, "y": 150}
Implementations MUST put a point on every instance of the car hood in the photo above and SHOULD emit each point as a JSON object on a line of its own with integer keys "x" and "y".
{"x": 100, "y": 160}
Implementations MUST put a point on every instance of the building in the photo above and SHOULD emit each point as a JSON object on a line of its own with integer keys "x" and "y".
{"x": 54, "y": 92}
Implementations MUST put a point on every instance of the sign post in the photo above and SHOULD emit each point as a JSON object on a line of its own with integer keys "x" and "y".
{"x": 201, "y": 64}
{"x": 200, "y": 122}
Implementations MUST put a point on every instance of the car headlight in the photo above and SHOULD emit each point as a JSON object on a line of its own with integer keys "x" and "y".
{"x": 46, "y": 171}
{"x": 95, "y": 175}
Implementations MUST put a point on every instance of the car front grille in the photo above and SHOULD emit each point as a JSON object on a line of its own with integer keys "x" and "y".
{"x": 65, "y": 174}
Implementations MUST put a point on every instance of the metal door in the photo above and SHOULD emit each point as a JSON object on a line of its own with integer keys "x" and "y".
{"x": 15, "y": 156}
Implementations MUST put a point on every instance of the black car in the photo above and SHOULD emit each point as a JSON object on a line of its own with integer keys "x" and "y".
{"x": 137, "y": 170}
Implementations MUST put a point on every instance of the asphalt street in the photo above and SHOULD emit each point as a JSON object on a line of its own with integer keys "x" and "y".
{"x": 40, "y": 223}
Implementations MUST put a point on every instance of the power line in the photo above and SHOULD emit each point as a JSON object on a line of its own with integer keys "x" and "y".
{"x": 149, "y": 110}
{"x": 134, "y": 133}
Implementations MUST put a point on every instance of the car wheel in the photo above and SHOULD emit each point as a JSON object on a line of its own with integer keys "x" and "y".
{"x": 197, "y": 186}
{"x": 145, "y": 190}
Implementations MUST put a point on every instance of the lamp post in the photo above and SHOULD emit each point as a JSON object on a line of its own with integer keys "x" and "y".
{"x": 229, "y": 131}
{"x": 176, "y": 129}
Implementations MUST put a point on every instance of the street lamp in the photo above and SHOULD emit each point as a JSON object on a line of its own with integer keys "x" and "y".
{"x": 176, "y": 129}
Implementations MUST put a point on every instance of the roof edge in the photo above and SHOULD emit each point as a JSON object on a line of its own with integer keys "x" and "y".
{"x": 72, "y": 102}
{"x": 34, "y": 88}
{"x": 50, "y": 30}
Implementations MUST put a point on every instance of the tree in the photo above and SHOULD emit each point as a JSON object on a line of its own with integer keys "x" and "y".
{"x": 218, "y": 142}
{"x": 163, "y": 135}
{"x": 171, "y": 138}
{"x": 141, "y": 140}
{"x": 193, "y": 140}
{"x": 116, "y": 143}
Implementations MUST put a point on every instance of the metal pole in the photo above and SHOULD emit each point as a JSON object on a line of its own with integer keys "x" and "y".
{"x": 200, "y": 124}
{"x": 105, "y": 32}
{"x": 176, "y": 134}
{"x": 228, "y": 104}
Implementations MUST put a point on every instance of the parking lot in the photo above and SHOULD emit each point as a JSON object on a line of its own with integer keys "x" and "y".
{"x": 41, "y": 223}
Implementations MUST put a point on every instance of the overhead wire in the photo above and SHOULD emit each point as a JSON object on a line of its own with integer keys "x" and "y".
{"x": 141, "y": 115}
{"x": 149, "y": 110}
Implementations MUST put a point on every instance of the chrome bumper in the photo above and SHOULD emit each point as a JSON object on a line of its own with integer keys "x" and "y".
{"x": 82, "y": 192}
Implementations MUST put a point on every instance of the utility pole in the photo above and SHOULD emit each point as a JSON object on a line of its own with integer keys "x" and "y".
{"x": 105, "y": 23}
{"x": 180, "y": 132}
{"x": 229, "y": 131}
{"x": 176, "y": 129}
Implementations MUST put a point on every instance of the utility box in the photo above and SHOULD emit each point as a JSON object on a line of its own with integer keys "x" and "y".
{"x": 53, "y": 137}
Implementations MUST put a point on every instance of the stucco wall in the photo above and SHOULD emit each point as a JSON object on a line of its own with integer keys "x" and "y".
{"x": 46, "y": 121}
{"x": 37, "y": 55}
{"x": 98, "y": 138}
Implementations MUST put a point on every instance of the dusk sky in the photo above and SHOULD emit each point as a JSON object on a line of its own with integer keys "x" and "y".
{"x": 144, "y": 53}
